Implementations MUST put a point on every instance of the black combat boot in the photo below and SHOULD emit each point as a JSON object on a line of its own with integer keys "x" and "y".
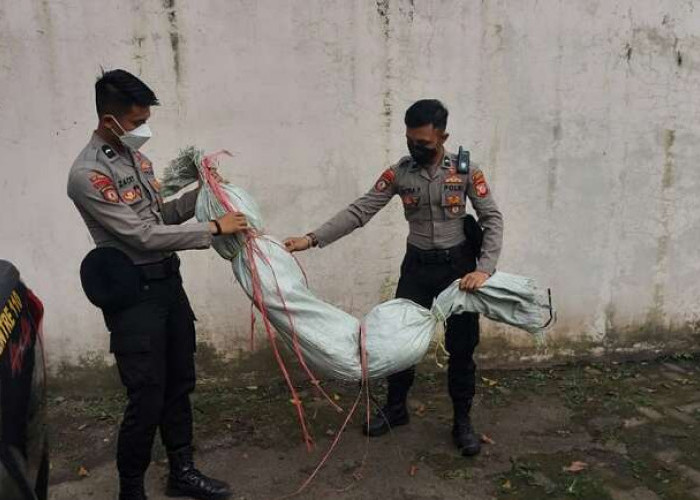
{"x": 186, "y": 481}
{"x": 131, "y": 488}
{"x": 462, "y": 431}
{"x": 394, "y": 412}
{"x": 391, "y": 415}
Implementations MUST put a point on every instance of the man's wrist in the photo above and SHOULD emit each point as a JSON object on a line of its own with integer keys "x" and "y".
{"x": 311, "y": 238}
{"x": 487, "y": 272}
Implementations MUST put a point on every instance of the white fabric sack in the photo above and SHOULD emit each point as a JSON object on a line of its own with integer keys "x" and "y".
{"x": 398, "y": 332}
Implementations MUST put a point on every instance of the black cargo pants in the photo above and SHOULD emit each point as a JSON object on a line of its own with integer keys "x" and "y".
{"x": 424, "y": 274}
{"x": 154, "y": 343}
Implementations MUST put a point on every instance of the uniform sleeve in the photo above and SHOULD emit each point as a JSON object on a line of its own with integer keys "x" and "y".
{"x": 490, "y": 220}
{"x": 359, "y": 212}
{"x": 96, "y": 193}
{"x": 181, "y": 209}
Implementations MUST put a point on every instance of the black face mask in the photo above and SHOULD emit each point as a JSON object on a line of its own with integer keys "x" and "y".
{"x": 422, "y": 155}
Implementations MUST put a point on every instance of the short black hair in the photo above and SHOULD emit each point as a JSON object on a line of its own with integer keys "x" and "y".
{"x": 426, "y": 112}
{"x": 117, "y": 91}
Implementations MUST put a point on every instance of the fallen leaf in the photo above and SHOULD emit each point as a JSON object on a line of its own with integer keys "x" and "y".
{"x": 330, "y": 432}
{"x": 576, "y": 467}
{"x": 83, "y": 472}
{"x": 252, "y": 387}
{"x": 489, "y": 382}
{"x": 82, "y": 427}
{"x": 336, "y": 397}
{"x": 413, "y": 470}
{"x": 506, "y": 484}
{"x": 420, "y": 411}
{"x": 487, "y": 440}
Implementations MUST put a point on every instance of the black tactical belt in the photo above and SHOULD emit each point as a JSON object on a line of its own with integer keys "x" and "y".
{"x": 160, "y": 270}
{"x": 436, "y": 256}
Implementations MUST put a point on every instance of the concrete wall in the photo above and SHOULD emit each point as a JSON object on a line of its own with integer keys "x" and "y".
{"x": 584, "y": 115}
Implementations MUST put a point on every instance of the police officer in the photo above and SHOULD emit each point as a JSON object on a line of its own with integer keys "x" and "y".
{"x": 433, "y": 188}
{"x": 114, "y": 188}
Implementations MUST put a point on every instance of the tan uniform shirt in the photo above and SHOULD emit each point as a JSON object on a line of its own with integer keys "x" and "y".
{"x": 434, "y": 207}
{"x": 118, "y": 197}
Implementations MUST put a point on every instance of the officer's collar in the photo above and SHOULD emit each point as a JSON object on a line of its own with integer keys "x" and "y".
{"x": 447, "y": 161}
{"x": 108, "y": 152}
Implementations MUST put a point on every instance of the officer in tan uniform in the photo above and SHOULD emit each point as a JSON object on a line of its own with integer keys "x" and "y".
{"x": 434, "y": 188}
{"x": 149, "y": 317}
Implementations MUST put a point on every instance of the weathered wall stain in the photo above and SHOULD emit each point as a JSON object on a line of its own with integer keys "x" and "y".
{"x": 409, "y": 10}
{"x": 553, "y": 162}
{"x": 385, "y": 22}
{"x": 657, "y": 314}
{"x": 669, "y": 140}
{"x": 171, "y": 12}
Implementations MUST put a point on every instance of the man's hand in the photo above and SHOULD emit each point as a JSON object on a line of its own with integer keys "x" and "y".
{"x": 472, "y": 281}
{"x": 230, "y": 223}
{"x": 297, "y": 244}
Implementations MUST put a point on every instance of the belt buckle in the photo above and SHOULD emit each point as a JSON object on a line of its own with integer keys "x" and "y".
{"x": 445, "y": 256}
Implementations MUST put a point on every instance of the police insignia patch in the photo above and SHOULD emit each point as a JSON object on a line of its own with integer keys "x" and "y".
{"x": 110, "y": 194}
{"x": 132, "y": 194}
{"x": 155, "y": 184}
{"x": 480, "y": 185}
{"x": 105, "y": 186}
{"x": 385, "y": 180}
{"x": 146, "y": 167}
{"x": 453, "y": 200}
{"x": 453, "y": 179}
{"x": 409, "y": 200}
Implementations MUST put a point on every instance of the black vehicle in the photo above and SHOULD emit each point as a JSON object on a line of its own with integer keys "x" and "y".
{"x": 24, "y": 463}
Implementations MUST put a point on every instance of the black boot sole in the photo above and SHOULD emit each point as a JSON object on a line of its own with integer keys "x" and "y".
{"x": 178, "y": 493}
{"x": 470, "y": 452}
{"x": 384, "y": 429}
{"x": 467, "y": 451}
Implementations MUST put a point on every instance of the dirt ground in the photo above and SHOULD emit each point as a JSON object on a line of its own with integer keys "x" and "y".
{"x": 618, "y": 431}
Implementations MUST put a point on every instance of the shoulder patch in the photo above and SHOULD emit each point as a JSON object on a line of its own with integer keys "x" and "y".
{"x": 385, "y": 180}
{"x": 105, "y": 185}
{"x": 480, "y": 185}
{"x": 108, "y": 151}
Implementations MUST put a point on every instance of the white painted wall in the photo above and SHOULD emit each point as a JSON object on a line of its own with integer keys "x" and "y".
{"x": 584, "y": 115}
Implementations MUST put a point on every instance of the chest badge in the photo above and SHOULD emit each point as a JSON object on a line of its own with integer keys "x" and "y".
{"x": 132, "y": 194}
{"x": 409, "y": 200}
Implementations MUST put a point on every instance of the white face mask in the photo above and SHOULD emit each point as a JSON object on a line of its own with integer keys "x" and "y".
{"x": 136, "y": 138}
